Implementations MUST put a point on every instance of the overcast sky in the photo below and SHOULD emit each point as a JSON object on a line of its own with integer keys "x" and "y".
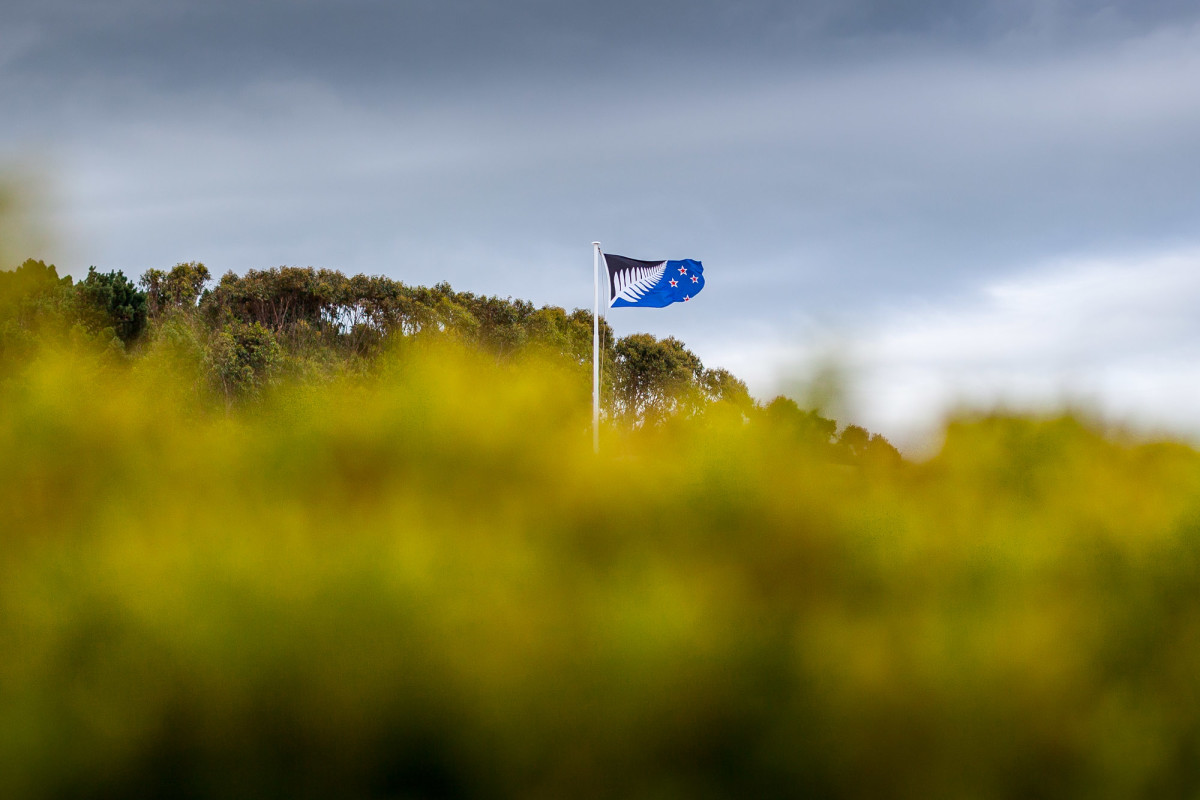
{"x": 960, "y": 202}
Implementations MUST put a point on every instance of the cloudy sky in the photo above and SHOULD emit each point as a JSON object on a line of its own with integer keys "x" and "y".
{"x": 959, "y": 203}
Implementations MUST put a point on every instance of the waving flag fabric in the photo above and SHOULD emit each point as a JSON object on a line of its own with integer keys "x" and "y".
{"x": 651, "y": 284}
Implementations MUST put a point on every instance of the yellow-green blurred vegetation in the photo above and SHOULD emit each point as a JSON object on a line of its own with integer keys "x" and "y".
{"x": 295, "y": 534}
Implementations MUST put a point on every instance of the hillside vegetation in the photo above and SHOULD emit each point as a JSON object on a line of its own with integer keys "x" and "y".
{"x": 248, "y": 334}
{"x": 301, "y": 535}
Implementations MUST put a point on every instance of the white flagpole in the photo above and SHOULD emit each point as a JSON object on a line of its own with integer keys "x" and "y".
{"x": 596, "y": 347}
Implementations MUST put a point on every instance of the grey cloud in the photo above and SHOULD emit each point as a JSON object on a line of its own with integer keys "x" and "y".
{"x": 424, "y": 43}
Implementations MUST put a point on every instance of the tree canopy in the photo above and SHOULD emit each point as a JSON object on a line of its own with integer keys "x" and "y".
{"x": 245, "y": 332}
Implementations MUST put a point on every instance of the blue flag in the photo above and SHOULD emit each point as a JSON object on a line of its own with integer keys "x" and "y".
{"x": 651, "y": 284}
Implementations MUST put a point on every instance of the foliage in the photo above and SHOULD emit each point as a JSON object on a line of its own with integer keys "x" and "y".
{"x": 807, "y": 428}
{"x": 304, "y": 324}
{"x": 178, "y": 288}
{"x": 110, "y": 300}
{"x": 242, "y": 358}
{"x": 654, "y": 377}
{"x": 859, "y": 443}
{"x": 418, "y": 581}
{"x": 722, "y": 386}
{"x": 33, "y": 301}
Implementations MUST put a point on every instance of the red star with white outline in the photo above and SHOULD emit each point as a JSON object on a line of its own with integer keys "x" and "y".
{"x": 686, "y": 298}
{"x": 695, "y": 279}
{"x": 683, "y": 270}
{"x": 674, "y": 282}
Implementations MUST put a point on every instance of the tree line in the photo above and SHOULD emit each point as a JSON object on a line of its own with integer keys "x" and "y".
{"x": 246, "y": 332}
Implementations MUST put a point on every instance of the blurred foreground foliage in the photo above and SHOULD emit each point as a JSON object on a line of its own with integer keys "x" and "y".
{"x": 412, "y": 578}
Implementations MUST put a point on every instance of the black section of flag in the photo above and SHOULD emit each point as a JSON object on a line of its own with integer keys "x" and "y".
{"x": 620, "y": 264}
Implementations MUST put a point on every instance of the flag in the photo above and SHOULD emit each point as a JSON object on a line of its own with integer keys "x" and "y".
{"x": 651, "y": 284}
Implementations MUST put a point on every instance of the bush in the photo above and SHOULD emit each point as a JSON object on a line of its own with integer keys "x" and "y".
{"x": 242, "y": 359}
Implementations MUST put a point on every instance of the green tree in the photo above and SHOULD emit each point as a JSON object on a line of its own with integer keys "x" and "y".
{"x": 880, "y": 451}
{"x": 278, "y": 298}
{"x": 807, "y": 428}
{"x": 654, "y": 377}
{"x": 722, "y": 386}
{"x": 110, "y": 300}
{"x": 854, "y": 438}
{"x": 242, "y": 358}
{"x": 31, "y": 277}
{"x": 178, "y": 288}
{"x": 859, "y": 444}
{"x": 33, "y": 298}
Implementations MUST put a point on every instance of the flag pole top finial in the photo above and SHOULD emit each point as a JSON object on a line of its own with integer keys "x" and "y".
{"x": 595, "y": 244}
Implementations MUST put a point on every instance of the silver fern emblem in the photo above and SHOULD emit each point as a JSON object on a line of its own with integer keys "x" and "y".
{"x": 632, "y": 284}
